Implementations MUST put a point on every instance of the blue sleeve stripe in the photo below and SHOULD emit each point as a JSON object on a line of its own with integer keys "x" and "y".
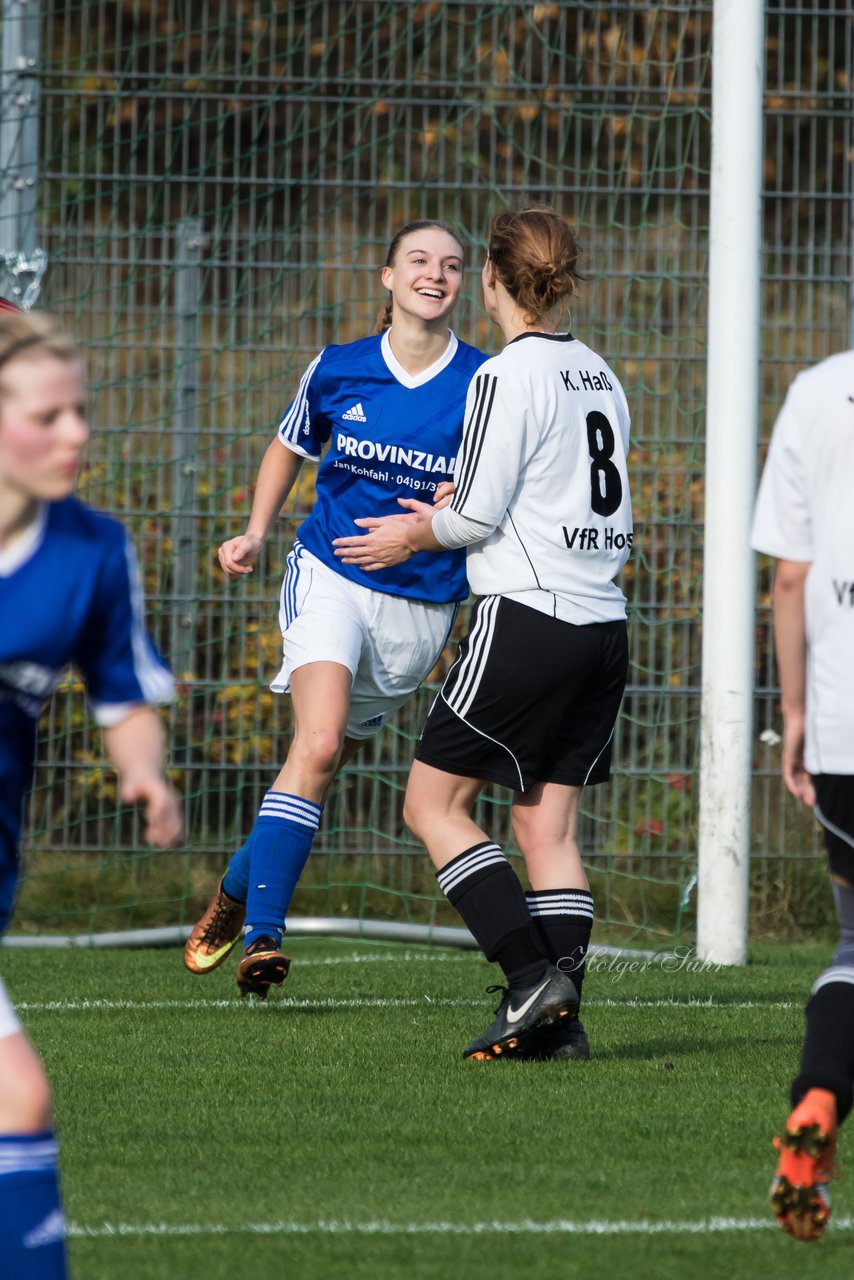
{"x": 474, "y": 434}
{"x": 289, "y": 427}
{"x": 155, "y": 679}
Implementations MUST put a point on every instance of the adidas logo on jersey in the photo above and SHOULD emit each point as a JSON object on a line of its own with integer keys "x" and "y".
{"x": 355, "y": 414}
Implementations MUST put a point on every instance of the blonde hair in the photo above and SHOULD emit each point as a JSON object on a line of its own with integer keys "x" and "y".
{"x": 36, "y": 333}
{"x": 534, "y": 254}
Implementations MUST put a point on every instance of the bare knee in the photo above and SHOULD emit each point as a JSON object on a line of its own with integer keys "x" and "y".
{"x": 317, "y": 754}
{"x": 25, "y": 1102}
{"x": 415, "y": 812}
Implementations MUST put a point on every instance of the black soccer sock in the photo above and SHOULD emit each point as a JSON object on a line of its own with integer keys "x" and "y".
{"x": 564, "y": 918}
{"x": 827, "y": 1061}
{"x": 486, "y": 891}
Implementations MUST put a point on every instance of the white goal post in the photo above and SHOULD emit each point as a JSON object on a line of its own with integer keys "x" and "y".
{"x": 732, "y": 406}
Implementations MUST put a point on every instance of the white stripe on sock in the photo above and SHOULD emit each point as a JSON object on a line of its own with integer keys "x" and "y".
{"x": 485, "y": 856}
{"x": 27, "y": 1156}
{"x": 841, "y": 974}
{"x": 276, "y": 804}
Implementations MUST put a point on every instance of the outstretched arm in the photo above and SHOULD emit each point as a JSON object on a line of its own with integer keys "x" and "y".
{"x": 135, "y": 746}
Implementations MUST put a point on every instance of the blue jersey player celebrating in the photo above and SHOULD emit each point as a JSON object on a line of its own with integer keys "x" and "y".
{"x": 68, "y": 594}
{"x": 386, "y": 415}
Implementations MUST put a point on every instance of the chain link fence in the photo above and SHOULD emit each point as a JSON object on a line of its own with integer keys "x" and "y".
{"x": 216, "y": 187}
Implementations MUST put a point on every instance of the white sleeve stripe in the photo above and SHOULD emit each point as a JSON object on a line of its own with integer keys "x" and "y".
{"x": 155, "y": 680}
{"x": 474, "y": 434}
{"x": 289, "y": 427}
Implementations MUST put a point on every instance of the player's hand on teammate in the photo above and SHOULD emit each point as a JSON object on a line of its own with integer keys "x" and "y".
{"x": 164, "y": 825}
{"x": 238, "y": 555}
{"x": 386, "y": 542}
{"x": 795, "y": 775}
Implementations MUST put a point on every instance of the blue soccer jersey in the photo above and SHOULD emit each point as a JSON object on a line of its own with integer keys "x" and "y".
{"x": 391, "y": 435}
{"x": 69, "y": 593}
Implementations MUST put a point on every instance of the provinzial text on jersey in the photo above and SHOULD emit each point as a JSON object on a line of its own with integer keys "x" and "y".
{"x": 587, "y": 539}
{"x": 397, "y": 455}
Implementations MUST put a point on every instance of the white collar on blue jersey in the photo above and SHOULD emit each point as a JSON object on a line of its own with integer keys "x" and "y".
{"x": 426, "y": 375}
{"x": 24, "y": 546}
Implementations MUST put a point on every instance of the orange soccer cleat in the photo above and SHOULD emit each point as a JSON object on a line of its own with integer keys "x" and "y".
{"x": 215, "y": 934}
{"x": 799, "y": 1195}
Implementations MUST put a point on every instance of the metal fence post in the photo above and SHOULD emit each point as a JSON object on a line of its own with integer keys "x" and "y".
{"x": 22, "y": 263}
{"x": 188, "y": 274}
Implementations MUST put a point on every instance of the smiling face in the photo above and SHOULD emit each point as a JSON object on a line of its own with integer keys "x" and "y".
{"x": 426, "y": 275}
{"x": 42, "y": 427}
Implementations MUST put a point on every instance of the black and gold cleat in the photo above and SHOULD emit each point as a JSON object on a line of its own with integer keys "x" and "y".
{"x": 521, "y": 1012}
{"x": 263, "y": 966}
{"x": 564, "y": 1041}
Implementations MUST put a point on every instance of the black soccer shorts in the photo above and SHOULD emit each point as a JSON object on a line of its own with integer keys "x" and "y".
{"x": 834, "y": 808}
{"x": 529, "y": 699}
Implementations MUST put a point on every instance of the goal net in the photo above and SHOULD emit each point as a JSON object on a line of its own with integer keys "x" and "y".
{"x": 218, "y": 183}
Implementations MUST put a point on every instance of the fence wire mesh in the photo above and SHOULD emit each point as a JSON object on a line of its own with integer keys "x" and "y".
{"x": 217, "y": 186}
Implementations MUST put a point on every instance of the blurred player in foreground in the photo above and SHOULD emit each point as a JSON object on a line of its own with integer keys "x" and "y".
{"x": 542, "y": 502}
{"x": 69, "y": 593}
{"x": 356, "y": 646}
{"x": 805, "y": 519}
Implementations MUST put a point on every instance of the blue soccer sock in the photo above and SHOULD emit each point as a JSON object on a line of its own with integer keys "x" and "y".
{"x": 235, "y": 882}
{"x": 32, "y": 1225}
{"x": 281, "y": 842}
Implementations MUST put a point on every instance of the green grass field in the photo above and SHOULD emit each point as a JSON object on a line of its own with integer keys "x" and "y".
{"x": 335, "y": 1132}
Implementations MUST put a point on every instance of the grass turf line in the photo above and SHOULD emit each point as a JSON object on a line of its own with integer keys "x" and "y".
{"x": 186, "y": 1114}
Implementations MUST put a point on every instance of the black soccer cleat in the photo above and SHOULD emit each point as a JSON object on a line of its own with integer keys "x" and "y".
{"x": 262, "y": 967}
{"x": 562, "y": 1041}
{"x": 521, "y": 1012}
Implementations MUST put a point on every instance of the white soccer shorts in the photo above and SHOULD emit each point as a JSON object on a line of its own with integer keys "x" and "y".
{"x": 388, "y": 643}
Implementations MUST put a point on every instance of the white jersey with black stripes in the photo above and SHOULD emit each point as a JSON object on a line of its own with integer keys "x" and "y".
{"x": 543, "y": 464}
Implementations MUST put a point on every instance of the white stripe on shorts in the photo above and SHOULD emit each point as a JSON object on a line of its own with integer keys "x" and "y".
{"x": 834, "y": 830}
{"x": 472, "y": 668}
{"x": 484, "y": 856}
{"x": 595, "y": 762}
{"x": 290, "y": 582}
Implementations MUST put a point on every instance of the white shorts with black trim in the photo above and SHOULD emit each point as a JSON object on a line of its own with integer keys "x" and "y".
{"x": 389, "y": 644}
{"x": 9, "y": 1023}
